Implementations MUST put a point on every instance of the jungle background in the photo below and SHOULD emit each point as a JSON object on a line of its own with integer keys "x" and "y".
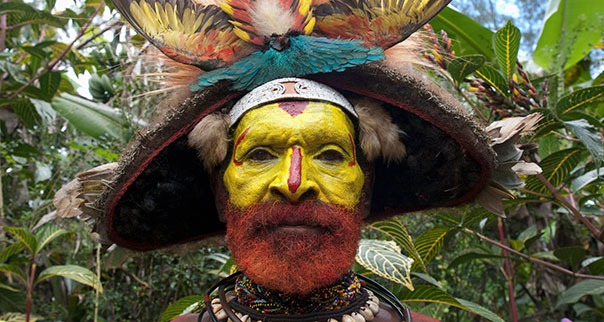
{"x": 76, "y": 84}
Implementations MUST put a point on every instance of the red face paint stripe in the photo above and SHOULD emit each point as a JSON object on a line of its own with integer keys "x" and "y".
{"x": 295, "y": 170}
{"x": 354, "y": 152}
{"x": 293, "y": 108}
{"x": 239, "y": 139}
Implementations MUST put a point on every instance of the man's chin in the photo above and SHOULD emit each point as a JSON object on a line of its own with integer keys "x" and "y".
{"x": 294, "y": 259}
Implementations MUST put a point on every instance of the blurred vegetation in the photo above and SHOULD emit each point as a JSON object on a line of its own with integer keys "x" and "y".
{"x": 73, "y": 90}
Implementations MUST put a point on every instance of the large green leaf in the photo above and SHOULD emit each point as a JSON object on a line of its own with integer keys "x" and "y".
{"x": 571, "y": 255}
{"x": 25, "y": 110}
{"x": 49, "y": 84}
{"x": 480, "y": 310}
{"x": 14, "y": 270}
{"x": 96, "y": 120}
{"x": 384, "y": 258}
{"x": 430, "y": 242}
{"x": 398, "y": 232}
{"x": 471, "y": 37}
{"x": 10, "y": 250}
{"x": 48, "y": 233}
{"x": 461, "y": 67}
{"x": 556, "y": 168}
{"x": 184, "y": 305}
{"x": 571, "y": 29}
{"x": 577, "y": 291}
{"x": 506, "y": 42}
{"x": 74, "y": 272}
{"x": 28, "y": 239}
{"x": 580, "y": 99}
{"x": 25, "y": 15}
{"x": 589, "y": 136}
{"x": 494, "y": 78}
{"x": 587, "y": 178}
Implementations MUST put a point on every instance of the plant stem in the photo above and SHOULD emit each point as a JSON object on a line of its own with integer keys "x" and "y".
{"x": 98, "y": 276}
{"x": 29, "y": 290}
{"x": 532, "y": 259}
{"x": 509, "y": 273}
{"x": 593, "y": 229}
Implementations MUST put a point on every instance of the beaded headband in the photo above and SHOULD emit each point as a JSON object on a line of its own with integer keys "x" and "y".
{"x": 288, "y": 89}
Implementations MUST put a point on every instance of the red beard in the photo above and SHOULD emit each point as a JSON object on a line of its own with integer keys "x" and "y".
{"x": 293, "y": 249}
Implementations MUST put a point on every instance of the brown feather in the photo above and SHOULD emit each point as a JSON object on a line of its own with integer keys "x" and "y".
{"x": 379, "y": 135}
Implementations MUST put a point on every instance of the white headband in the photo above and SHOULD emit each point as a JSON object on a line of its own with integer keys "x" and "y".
{"x": 275, "y": 91}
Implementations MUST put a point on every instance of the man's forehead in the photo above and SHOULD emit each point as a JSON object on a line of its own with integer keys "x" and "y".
{"x": 317, "y": 112}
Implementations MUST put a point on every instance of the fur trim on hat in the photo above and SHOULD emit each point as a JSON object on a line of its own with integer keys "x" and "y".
{"x": 210, "y": 139}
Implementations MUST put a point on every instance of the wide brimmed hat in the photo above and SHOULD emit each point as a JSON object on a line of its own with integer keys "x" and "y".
{"x": 160, "y": 194}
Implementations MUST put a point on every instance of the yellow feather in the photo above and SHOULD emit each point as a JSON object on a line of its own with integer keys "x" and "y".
{"x": 304, "y": 7}
{"x": 310, "y": 26}
{"x": 241, "y": 34}
{"x": 226, "y": 8}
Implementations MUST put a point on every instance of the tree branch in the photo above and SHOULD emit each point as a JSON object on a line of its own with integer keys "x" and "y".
{"x": 48, "y": 67}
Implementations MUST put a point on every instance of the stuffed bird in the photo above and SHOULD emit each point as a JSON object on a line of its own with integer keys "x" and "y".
{"x": 250, "y": 42}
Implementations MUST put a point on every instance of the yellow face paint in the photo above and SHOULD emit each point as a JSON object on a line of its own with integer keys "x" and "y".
{"x": 291, "y": 151}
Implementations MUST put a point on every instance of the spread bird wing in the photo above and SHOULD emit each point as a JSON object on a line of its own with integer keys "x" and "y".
{"x": 185, "y": 31}
{"x": 381, "y": 23}
{"x": 255, "y": 20}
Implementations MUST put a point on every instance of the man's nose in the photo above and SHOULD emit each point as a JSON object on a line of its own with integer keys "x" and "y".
{"x": 293, "y": 183}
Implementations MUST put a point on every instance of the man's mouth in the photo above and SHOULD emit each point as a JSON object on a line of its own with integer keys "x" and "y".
{"x": 299, "y": 229}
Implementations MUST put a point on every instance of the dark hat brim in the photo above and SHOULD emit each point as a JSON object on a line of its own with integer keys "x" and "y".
{"x": 161, "y": 195}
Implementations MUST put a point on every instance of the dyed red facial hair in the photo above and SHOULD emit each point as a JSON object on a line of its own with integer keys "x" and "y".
{"x": 293, "y": 248}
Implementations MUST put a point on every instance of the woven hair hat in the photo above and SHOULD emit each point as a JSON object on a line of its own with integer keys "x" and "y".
{"x": 160, "y": 194}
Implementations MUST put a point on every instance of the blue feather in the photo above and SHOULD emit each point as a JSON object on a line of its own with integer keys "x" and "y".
{"x": 305, "y": 55}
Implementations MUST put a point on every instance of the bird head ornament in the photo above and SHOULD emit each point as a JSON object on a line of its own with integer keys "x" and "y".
{"x": 395, "y": 140}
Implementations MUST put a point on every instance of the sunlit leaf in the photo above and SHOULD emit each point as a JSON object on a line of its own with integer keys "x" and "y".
{"x": 28, "y": 239}
{"x": 571, "y": 28}
{"x": 48, "y": 233}
{"x": 556, "y": 168}
{"x": 11, "y": 250}
{"x": 430, "y": 242}
{"x": 187, "y": 304}
{"x": 24, "y": 15}
{"x": 74, "y": 272}
{"x": 384, "y": 259}
{"x": 475, "y": 38}
{"x": 461, "y": 67}
{"x": 577, "y": 291}
{"x": 507, "y": 43}
{"x": 398, "y": 232}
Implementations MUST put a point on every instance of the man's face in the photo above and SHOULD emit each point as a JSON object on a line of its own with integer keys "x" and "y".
{"x": 292, "y": 151}
{"x": 294, "y": 184}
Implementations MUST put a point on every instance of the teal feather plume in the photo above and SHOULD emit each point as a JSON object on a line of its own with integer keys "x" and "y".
{"x": 305, "y": 55}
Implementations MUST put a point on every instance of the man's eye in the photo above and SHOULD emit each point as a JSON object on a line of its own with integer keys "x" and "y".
{"x": 331, "y": 156}
{"x": 260, "y": 155}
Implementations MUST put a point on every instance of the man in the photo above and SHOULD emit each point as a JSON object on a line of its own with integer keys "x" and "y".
{"x": 295, "y": 167}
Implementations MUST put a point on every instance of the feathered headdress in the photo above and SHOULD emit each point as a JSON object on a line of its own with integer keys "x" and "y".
{"x": 425, "y": 149}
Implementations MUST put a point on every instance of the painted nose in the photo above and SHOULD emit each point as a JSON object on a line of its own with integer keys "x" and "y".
{"x": 292, "y": 183}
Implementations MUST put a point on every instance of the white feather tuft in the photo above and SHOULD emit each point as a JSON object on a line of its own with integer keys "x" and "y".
{"x": 379, "y": 135}
{"x": 210, "y": 139}
{"x": 269, "y": 17}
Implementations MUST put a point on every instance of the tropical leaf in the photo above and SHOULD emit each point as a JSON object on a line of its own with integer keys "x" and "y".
{"x": 14, "y": 270}
{"x": 430, "y": 242}
{"x": 556, "y": 168}
{"x": 573, "y": 255}
{"x": 74, "y": 272}
{"x": 494, "y": 78}
{"x": 48, "y": 233}
{"x": 589, "y": 136}
{"x": 476, "y": 39}
{"x": 28, "y": 239}
{"x": 570, "y": 30}
{"x": 22, "y": 14}
{"x": 187, "y": 304}
{"x": 384, "y": 258}
{"x": 585, "y": 179}
{"x": 579, "y": 99}
{"x": 398, "y": 232}
{"x": 25, "y": 110}
{"x": 96, "y": 120}
{"x": 49, "y": 84}
{"x": 506, "y": 42}
{"x": 480, "y": 310}
{"x": 10, "y": 250}
{"x": 461, "y": 67}
{"x": 577, "y": 291}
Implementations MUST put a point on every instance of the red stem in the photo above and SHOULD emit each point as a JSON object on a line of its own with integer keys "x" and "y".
{"x": 509, "y": 273}
{"x": 30, "y": 286}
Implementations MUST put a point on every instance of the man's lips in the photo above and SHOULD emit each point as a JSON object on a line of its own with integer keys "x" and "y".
{"x": 298, "y": 229}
